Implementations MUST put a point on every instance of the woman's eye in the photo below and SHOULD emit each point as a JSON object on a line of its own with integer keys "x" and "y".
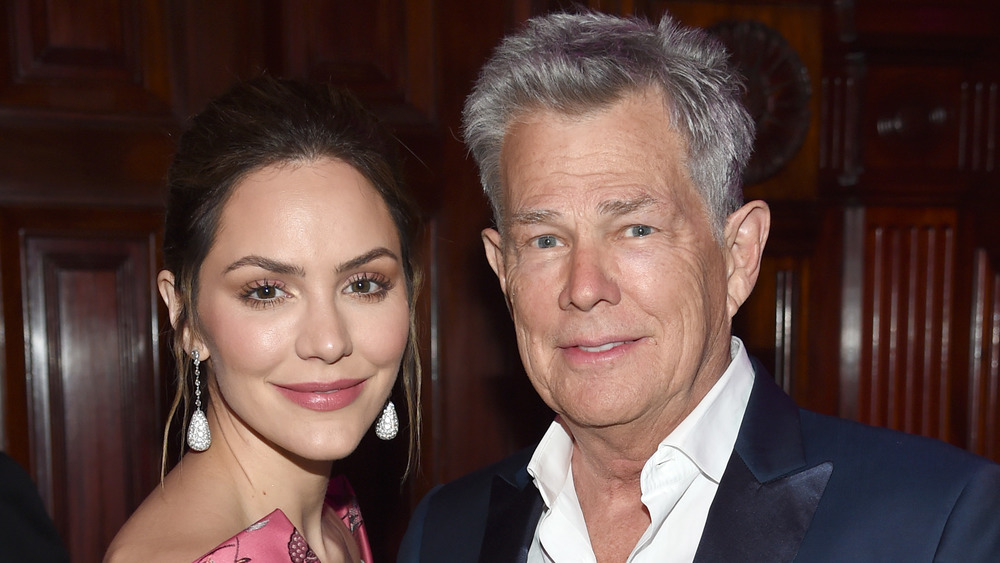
{"x": 546, "y": 241}
{"x": 363, "y": 286}
{"x": 263, "y": 292}
{"x": 369, "y": 286}
{"x": 640, "y": 230}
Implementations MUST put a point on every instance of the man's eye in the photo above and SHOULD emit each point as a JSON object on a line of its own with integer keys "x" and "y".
{"x": 546, "y": 241}
{"x": 640, "y": 230}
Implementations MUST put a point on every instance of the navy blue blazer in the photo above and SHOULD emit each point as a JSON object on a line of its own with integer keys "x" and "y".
{"x": 799, "y": 486}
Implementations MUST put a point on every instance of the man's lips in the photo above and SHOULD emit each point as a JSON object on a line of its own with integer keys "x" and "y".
{"x": 590, "y": 351}
{"x": 599, "y": 344}
{"x": 323, "y": 396}
{"x": 603, "y": 347}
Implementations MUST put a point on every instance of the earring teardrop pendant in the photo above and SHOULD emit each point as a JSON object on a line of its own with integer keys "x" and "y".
{"x": 199, "y": 437}
{"x": 387, "y": 424}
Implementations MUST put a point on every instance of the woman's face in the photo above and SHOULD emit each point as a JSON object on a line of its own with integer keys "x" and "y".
{"x": 302, "y": 308}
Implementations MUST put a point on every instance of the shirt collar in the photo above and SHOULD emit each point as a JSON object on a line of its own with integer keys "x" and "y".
{"x": 550, "y": 464}
{"x": 707, "y": 436}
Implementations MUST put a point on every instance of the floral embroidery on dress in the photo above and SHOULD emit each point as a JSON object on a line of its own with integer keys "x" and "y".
{"x": 273, "y": 538}
{"x": 353, "y": 517}
{"x": 299, "y": 551}
{"x": 256, "y": 525}
{"x": 225, "y": 553}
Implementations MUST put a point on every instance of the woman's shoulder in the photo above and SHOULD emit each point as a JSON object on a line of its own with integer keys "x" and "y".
{"x": 165, "y": 528}
{"x": 156, "y": 534}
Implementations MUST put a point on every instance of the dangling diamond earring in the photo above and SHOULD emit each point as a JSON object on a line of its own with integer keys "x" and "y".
{"x": 387, "y": 424}
{"x": 199, "y": 437}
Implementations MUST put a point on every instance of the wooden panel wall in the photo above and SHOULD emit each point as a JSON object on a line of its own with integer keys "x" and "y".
{"x": 86, "y": 364}
{"x": 92, "y": 372}
{"x": 984, "y": 377}
{"x": 85, "y": 102}
{"x": 908, "y": 311}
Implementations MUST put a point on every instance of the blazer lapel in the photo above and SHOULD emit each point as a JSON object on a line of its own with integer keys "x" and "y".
{"x": 768, "y": 494}
{"x": 515, "y": 506}
{"x": 754, "y": 521}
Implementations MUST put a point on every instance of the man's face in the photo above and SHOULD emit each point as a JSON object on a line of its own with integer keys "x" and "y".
{"x": 617, "y": 286}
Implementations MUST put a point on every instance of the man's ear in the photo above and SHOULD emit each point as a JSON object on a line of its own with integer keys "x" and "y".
{"x": 495, "y": 256}
{"x": 168, "y": 292}
{"x": 745, "y": 236}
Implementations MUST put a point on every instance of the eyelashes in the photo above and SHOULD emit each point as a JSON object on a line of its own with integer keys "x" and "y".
{"x": 370, "y": 287}
{"x": 263, "y": 294}
{"x": 366, "y": 287}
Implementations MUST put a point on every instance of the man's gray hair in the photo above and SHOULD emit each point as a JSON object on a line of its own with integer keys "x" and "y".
{"x": 574, "y": 63}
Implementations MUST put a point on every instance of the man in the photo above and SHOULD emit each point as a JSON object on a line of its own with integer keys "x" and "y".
{"x": 612, "y": 152}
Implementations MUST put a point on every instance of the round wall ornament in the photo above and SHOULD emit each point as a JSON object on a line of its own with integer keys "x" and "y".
{"x": 777, "y": 93}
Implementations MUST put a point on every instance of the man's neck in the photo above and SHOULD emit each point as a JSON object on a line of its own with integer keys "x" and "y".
{"x": 607, "y": 466}
{"x": 607, "y": 485}
{"x": 612, "y": 456}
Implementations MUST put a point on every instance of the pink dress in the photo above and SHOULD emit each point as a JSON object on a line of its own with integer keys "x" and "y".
{"x": 273, "y": 538}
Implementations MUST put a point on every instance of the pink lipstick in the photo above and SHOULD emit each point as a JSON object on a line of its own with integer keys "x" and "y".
{"x": 323, "y": 397}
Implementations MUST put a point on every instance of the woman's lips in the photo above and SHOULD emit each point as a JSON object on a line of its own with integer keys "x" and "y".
{"x": 323, "y": 397}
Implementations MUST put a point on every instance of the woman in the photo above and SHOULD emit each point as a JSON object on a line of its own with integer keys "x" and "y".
{"x": 290, "y": 285}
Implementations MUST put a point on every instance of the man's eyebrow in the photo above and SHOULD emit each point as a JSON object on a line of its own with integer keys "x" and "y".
{"x": 616, "y": 207}
{"x": 533, "y": 217}
{"x": 367, "y": 257}
{"x": 268, "y": 264}
{"x": 620, "y": 207}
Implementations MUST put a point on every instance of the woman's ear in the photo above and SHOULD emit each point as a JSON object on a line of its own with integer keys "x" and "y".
{"x": 174, "y": 301}
{"x": 745, "y": 235}
{"x": 165, "y": 283}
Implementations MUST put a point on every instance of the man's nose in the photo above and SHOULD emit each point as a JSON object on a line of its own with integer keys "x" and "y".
{"x": 323, "y": 334}
{"x": 590, "y": 279}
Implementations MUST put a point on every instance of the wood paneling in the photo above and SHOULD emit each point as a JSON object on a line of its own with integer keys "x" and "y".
{"x": 984, "y": 376}
{"x": 91, "y": 364}
{"x": 388, "y": 62}
{"x": 840, "y": 138}
{"x": 979, "y": 123}
{"x": 85, "y": 102}
{"x": 91, "y": 56}
{"x": 905, "y": 364}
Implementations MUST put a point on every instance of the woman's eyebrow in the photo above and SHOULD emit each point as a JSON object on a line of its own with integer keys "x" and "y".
{"x": 367, "y": 257}
{"x": 285, "y": 268}
{"x": 268, "y": 264}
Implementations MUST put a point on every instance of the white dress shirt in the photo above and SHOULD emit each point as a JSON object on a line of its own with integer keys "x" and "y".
{"x": 678, "y": 482}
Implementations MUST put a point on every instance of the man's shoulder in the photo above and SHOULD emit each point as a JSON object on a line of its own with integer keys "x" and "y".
{"x": 450, "y": 522}
{"x": 883, "y": 450}
{"x": 892, "y": 492}
{"x": 513, "y": 469}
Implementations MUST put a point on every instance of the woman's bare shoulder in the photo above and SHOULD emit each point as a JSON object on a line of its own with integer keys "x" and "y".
{"x": 171, "y": 525}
